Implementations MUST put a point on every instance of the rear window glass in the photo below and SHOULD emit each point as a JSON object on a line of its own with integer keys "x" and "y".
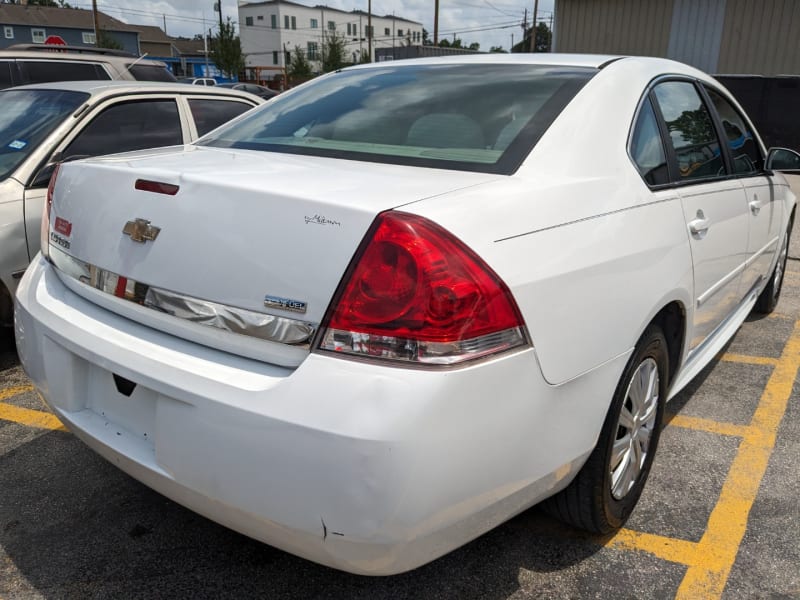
{"x": 210, "y": 114}
{"x": 27, "y": 118}
{"x": 145, "y": 72}
{"x": 469, "y": 117}
{"x": 59, "y": 70}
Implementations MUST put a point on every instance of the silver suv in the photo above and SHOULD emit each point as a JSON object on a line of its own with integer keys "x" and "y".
{"x": 23, "y": 64}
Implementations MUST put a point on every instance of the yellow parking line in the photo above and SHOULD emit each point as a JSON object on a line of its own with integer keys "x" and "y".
{"x": 749, "y": 360}
{"x": 666, "y": 548}
{"x": 31, "y": 418}
{"x": 716, "y": 551}
{"x": 14, "y": 391}
{"x": 708, "y": 425}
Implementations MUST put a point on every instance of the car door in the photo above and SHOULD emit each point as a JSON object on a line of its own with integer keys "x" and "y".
{"x": 714, "y": 204}
{"x": 118, "y": 125}
{"x": 764, "y": 199}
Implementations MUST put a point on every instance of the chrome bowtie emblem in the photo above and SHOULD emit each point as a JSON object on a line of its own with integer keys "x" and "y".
{"x": 140, "y": 230}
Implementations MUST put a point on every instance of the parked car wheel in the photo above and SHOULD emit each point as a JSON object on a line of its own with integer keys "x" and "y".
{"x": 770, "y": 295}
{"x": 602, "y": 496}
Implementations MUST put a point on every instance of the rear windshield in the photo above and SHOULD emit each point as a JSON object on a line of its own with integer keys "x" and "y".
{"x": 27, "y": 118}
{"x": 145, "y": 72}
{"x": 482, "y": 118}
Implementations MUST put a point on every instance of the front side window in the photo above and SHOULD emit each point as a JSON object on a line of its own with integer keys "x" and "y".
{"x": 27, "y": 118}
{"x": 129, "y": 126}
{"x": 482, "y": 118}
{"x": 691, "y": 131}
{"x": 747, "y": 157}
{"x": 210, "y": 114}
{"x": 38, "y": 36}
{"x": 647, "y": 148}
{"x": 5, "y": 74}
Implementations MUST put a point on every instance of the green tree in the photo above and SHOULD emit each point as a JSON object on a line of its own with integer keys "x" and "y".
{"x": 426, "y": 40}
{"x": 544, "y": 39}
{"x": 104, "y": 40}
{"x": 333, "y": 52}
{"x": 498, "y": 50}
{"x": 299, "y": 65}
{"x": 227, "y": 50}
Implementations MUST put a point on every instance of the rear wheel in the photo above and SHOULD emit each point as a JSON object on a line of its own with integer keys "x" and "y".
{"x": 768, "y": 299}
{"x": 602, "y": 496}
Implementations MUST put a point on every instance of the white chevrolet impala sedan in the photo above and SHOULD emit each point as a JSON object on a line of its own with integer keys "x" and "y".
{"x": 395, "y": 306}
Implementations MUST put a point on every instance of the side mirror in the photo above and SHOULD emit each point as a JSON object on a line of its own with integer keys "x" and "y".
{"x": 42, "y": 178}
{"x": 784, "y": 160}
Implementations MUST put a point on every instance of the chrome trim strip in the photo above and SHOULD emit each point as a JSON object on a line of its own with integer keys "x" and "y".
{"x": 719, "y": 285}
{"x": 264, "y": 326}
{"x": 757, "y": 254}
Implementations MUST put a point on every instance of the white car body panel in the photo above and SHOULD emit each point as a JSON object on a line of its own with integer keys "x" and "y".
{"x": 371, "y": 468}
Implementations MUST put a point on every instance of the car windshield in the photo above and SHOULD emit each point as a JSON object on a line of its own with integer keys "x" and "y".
{"x": 27, "y": 118}
{"x": 468, "y": 117}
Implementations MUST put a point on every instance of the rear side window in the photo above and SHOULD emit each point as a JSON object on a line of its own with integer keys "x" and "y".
{"x": 145, "y": 72}
{"x": 210, "y": 114}
{"x": 5, "y": 74}
{"x": 747, "y": 157}
{"x": 691, "y": 131}
{"x": 47, "y": 71}
{"x": 129, "y": 126}
{"x": 647, "y": 148}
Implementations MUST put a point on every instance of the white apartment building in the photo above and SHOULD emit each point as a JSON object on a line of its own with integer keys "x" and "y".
{"x": 271, "y": 29}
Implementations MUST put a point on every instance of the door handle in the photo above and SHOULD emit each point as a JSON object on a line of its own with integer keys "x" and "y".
{"x": 699, "y": 226}
{"x": 755, "y": 206}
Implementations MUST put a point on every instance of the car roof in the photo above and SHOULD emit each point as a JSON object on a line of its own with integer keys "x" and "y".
{"x": 104, "y": 88}
{"x": 595, "y": 61}
{"x": 51, "y": 55}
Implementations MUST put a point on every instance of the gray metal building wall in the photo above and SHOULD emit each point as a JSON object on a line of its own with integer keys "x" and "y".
{"x": 718, "y": 36}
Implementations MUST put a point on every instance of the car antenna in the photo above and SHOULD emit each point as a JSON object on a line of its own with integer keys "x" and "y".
{"x": 134, "y": 63}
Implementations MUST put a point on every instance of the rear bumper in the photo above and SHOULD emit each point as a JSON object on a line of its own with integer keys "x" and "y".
{"x": 364, "y": 468}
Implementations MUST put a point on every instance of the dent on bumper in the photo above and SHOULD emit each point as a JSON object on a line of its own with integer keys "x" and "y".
{"x": 365, "y": 468}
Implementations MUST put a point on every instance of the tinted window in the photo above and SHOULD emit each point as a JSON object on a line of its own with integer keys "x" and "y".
{"x": 129, "y": 126}
{"x": 5, "y": 74}
{"x": 469, "y": 117}
{"x": 647, "y": 148}
{"x": 145, "y": 72}
{"x": 57, "y": 70}
{"x": 691, "y": 130}
{"x": 744, "y": 149}
{"x": 210, "y": 114}
{"x": 27, "y": 118}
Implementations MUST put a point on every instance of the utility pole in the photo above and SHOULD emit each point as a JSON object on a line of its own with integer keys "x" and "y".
{"x": 533, "y": 29}
{"x": 165, "y": 23}
{"x": 436, "y": 23}
{"x": 96, "y": 26}
{"x": 369, "y": 29}
{"x": 218, "y": 8}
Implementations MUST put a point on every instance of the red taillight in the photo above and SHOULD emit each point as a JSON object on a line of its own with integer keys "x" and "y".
{"x": 416, "y": 293}
{"x": 44, "y": 233}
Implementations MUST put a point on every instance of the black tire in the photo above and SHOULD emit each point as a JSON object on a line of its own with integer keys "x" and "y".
{"x": 589, "y": 502}
{"x": 768, "y": 299}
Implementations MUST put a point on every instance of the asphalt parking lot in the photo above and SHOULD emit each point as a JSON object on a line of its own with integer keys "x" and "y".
{"x": 719, "y": 517}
